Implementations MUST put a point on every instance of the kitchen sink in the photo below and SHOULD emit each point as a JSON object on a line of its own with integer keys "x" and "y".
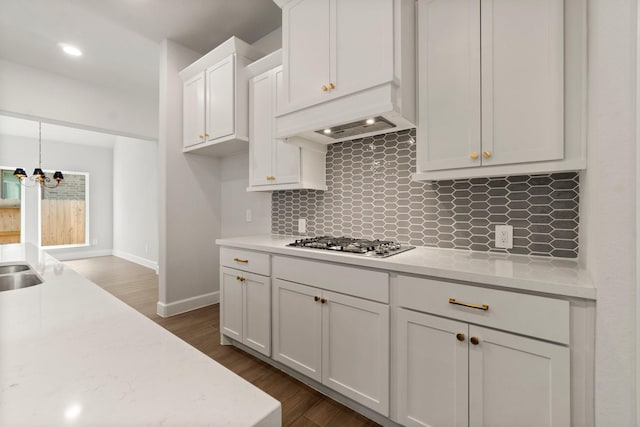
{"x": 17, "y": 276}
{"x": 16, "y": 268}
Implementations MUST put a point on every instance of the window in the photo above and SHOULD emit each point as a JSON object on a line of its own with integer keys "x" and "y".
{"x": 10, "y": 207}
{"x": 64, "y": 211}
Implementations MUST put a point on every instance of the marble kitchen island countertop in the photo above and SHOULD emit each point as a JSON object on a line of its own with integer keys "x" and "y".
{"x": 73, "y": 354}
{"x": 555, "y": 276}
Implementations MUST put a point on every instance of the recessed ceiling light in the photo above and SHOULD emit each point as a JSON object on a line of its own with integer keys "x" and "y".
{"x": 327, "y": 131}
{"x": 70, "y": 50}
{"x": 371, "y": 121}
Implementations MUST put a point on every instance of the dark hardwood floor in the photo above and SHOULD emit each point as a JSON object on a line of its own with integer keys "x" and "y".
{"x": 138, "y": 287}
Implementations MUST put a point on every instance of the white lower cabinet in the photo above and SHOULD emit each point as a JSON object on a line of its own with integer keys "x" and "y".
{"x": 338, "y": 340}
{"x": 451, "y": 373}
{"x": 245, "y": 309}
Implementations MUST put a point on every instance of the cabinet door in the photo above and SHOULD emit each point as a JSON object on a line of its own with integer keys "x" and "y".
{"x": 355, "y": 349}
{"x": 449, "y": 84}
{"x": 432, "y": 370}
{"x": 306, "y": 52}
{"x": 261, "y": 117}
{"x": 297, "y": 326}
{"x": 193, "y": 113}
{"x": 257, "y": 313}
{"x": 522, "y": 80}
{"x": 220, "y": 99}
{"x": 517, "y": 381}
{"x": 231, "y": 303}
{"x": 286, "y": 157}
{"x": 362, "y": 51}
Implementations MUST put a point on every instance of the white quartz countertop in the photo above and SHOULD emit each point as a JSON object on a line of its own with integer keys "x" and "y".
{"x": 548, "y": 275}
{"x": 71, "y": 354}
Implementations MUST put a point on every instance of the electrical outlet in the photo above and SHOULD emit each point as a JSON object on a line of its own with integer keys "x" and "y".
{"x": 146, "y": 248}
{"x": 247, "y": 215}
{"x": 504, "y": 236}
{"x": 95, "y": 241}
{"x": 302, "y": 225}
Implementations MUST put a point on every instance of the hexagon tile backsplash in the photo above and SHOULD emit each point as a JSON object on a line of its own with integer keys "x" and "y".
{"x": 371, "y": 195}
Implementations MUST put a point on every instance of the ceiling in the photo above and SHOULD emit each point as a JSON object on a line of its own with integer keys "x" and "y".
{"x": 120, "y": 38}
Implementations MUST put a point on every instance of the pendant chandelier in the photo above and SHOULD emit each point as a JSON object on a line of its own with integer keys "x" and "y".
{"x": 38, "y": 176}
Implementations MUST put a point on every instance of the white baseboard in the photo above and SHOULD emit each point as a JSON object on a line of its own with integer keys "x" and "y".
{"x": 182, "y": 306}
{"x": 138, "y": 260}
{"x": 66, "y": 256}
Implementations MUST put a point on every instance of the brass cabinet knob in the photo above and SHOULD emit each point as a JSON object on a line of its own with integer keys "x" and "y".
{"x": 332, "y": 86}
{"x": 324, "y": 88}
{"x": 473, "y": 155}
{"x": 460, "y": 336}
{"x": 323, "y": 300}
{"x": 207, "y": 135}
{"x": 486, "y": 154}
{"x": 240, "y": 278}
{"x": 316, "y": 299}
{"x": 474, "y": 340}
{"x": 201, "y": 136}
{"x": 271, "y": 178}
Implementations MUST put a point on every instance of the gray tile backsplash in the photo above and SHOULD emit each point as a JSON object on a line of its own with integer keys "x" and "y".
{"x": 371, "y": 195}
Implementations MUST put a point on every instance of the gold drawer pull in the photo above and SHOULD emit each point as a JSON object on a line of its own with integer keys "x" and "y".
{"x": 241, "y": 260}
{"x": 484, "y": 307}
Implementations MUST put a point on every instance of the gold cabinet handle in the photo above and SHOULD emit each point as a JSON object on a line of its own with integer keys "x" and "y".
{"x": 484, "y": 307}
{"x": 324, "y": 88}
{"x": 271, "y": 178}
{"x": 474, "y": 340}
{"x": 332, "y": 86}
{"x": 241, "y": 260}
{"x": 460, "y": 336}
{"x": 316, "y": 299}
{"x": 473, "y": 155}
{"x": 486, "y": 154}
{"x": 323, "y": 300}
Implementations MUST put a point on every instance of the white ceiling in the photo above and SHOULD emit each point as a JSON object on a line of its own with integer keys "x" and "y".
{"x": 120, "y": 38}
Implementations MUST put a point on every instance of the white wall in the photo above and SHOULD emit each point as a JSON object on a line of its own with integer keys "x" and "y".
{"x": 607, "y": 223}
{"x": 35, "y": 93}
{"x": 271, "y": 42}
{"x": 234, "y": 172}
{"x": 97, "y": 161}
{"x": 135, "y": 200}
{"x": 189, "y": 200}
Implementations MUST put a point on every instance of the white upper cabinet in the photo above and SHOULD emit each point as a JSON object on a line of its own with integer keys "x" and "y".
{"x": 346, "y": 61}
{"x": 500, "y": 87}
{"x": 215, "y": 100}
{"x": 307, "y": 46}
{"x": 193, "y": 110}
{"x": 333, "y": 48}
{"x": 275, "y": 164}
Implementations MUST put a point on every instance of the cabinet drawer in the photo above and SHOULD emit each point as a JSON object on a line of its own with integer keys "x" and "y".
{"x": 540, "y": 317}
{"x": 359, "y": 282}
{"x": 241, "y": 259}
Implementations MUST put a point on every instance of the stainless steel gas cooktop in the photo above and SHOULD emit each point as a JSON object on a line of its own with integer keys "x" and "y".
{"x": 375, "y": 248}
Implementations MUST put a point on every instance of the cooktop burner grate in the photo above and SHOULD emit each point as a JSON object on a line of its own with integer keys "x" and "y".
{"x": 375, "y": 248}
